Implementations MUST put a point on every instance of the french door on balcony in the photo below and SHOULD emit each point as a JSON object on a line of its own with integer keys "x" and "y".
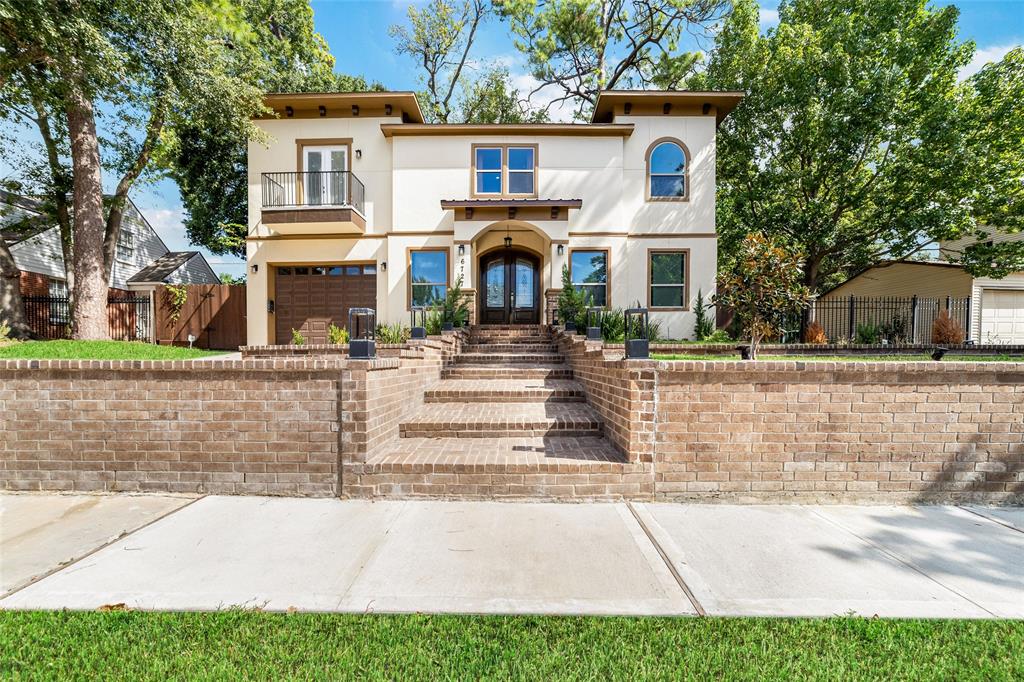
{"x": 325, "y": 182}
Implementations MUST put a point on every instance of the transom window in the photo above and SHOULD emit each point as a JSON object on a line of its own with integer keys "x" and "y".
{"x": 428, "y": 276}
{"x": 588, "y": 271}
{"x": 666, "y": 171}
{"x": 667, "y": 279}
{"x": 508, "y": 170}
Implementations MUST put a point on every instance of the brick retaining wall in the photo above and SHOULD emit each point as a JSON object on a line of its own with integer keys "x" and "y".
{"x": 821, "y": 431}
{"x": 234, "y": 427}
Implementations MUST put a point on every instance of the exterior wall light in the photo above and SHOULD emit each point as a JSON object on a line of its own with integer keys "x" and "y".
{"x": 462, "y": 249}
{"x": 323, "y": 110}
{"x": 359, "y": 153}
{"x": 561, "y": 250}
{"x": 255, "y": 267}
{"x": 384, "y": 266}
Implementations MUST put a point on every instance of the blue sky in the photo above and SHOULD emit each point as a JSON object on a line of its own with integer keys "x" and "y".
{"x": 356, "y": 31}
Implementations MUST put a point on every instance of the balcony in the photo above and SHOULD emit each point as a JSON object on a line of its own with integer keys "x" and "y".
{"x": 320, "y": 201}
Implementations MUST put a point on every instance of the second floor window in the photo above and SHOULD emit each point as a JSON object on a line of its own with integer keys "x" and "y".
{"x": 505, "y": 170}
{"x": 666, "y": 171}
{"x": 125, "y": 245}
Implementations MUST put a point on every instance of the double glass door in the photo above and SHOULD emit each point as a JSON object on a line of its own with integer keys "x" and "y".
{"x": 511, "y": 288}
{"x": 326, "y": 182}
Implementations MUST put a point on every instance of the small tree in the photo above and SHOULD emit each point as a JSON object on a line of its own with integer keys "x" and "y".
{"x": 571, "y": 301}
{"x": 946, "y": 330}
{"x": 704, "y": 326}
{"x": 763, "y": 287}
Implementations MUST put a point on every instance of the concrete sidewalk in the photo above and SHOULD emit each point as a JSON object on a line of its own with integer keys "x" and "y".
{"x": 490, "y": 557}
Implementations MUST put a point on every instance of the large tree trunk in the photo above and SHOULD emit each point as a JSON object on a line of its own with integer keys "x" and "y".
{"x": 12, "y": 307}
{"x": 90, "y": 312}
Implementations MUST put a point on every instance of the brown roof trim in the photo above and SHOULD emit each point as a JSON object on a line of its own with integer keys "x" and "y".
{"x": 342, "y": 102}
{"x": 723, "y": 101}
{"x": 509, "y": 203}
{"x": 531, "y": 129}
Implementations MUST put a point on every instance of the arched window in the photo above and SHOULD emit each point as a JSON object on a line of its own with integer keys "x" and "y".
{"x": 667, "y": 170}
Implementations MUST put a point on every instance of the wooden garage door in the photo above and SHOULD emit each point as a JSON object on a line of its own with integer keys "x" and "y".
{"x": 1002, "y": 316}
{"x": 310, "y": 298}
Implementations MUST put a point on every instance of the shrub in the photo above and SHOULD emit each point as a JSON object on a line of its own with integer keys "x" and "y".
{"x": 393, "y": 333}
{"x": 720, "y": 336}
{"x": 654, "y": 333}
{"x": 5, "y": 332}
{"x": 434, "y": 321}
{"x": 613, "y": 326}
{"x": 705, "y": 326}
{"x": 454, "y": 306}
{"x": 297, "y": 338}
{"x": 895, "y": 330}
{"x": 868, "y": 334}
{"x": 336, "y": 334}
{"x": 815, "y": 333}
{"x": 946, "y": 330}
{"x": 571, "y": 301}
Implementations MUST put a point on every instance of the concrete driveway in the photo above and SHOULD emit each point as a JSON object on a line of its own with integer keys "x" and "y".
{"x": 488, "y": 557}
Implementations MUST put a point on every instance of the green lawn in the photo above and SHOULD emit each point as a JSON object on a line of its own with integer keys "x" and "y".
{"x": 950, "y": 357}
{"x": 254, "y": 645}
{"x": 99, "y": 350}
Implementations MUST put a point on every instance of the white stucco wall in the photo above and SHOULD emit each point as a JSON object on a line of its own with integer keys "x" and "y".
{"x": 406, "y": 178}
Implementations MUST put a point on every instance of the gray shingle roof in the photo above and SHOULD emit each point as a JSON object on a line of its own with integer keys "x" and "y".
{"x": 163, "y": 267}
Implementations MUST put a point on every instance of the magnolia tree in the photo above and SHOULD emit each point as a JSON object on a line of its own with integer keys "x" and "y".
{"x": 764, "y": 287}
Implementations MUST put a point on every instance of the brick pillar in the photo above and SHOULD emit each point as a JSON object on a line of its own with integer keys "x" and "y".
{"x": 469, "y": 296}
{"x": 551, "y": 305}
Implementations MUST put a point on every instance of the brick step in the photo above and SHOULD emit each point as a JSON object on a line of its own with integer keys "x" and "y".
{"x": 511, "y": 468}
{"x": 511, "y": 328}
{"x": 505, "y": 391}
{"x": 509, "y": 358}
{"x": 510, "y": 348}
{"x": 506, "y": 372}
{"x": 502, "y": 420}
{"x": 501, "y": 336}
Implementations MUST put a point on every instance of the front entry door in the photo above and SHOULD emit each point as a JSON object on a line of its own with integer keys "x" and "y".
{"x": 510, "y": 282}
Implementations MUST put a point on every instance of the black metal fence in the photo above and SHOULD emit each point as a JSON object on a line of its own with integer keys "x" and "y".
{"x": 313, "y": 188}
{"x": 878, "y": 319}
{"x": 129, "y": 318}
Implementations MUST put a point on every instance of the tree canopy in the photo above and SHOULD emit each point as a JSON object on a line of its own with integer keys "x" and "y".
{"x": 856, "y": 141}
{"x": 579, "y": 47}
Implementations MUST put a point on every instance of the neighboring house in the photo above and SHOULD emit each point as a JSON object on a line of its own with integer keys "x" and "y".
{"x": 355, "y": 202}
{"x": 996, "y": 306}
{"x": 142, "y": 261}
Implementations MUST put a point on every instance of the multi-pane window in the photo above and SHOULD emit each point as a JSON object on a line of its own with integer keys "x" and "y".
{"x": 588, "y": 270}
{"x": 507, "y": 170}
{"x": 428, "y": 276}
{"x": 125, "y": 245}
{"x": 667, "y": 283}
{"x": 666, "y": 171}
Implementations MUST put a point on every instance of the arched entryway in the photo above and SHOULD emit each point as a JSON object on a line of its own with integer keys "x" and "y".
{"x": 510, "y": 287}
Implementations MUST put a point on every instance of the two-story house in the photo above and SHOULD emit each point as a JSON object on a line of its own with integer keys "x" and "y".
{"x": 356, "y": 202}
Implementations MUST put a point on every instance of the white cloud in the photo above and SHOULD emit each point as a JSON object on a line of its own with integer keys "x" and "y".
{"x": 983, "y": 56}
{"x": 768, "y": 17}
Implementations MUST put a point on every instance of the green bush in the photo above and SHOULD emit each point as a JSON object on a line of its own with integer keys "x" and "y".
{"x": 705, "y": 326}
{"x": 297, "y": 338}
{"x": 868, "y": 334}
{"x": 434, "y": 321}
{"x": 336, "y": 334}
{"x": 454, "y": 306}
{"x": 393, "y": 333}
{"x": 719, "y": 336}
{"x": 613, "y": 326}
{"x": 572, "y": 302}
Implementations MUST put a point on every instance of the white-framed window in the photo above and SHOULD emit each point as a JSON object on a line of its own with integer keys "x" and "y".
{"x": 60, "y": 308}
{"x": 125, "y": 245}
{"x": 522, "y": 169}
{"x": 326, "y": 182}
{"x": 488, "y": 165}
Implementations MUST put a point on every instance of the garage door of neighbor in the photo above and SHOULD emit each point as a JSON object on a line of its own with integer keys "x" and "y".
{"x": 310, "y": 298}
{"x": 1002, "y": 316}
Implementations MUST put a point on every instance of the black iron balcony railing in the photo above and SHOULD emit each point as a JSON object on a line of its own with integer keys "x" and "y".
{"x": 313, "y": 188}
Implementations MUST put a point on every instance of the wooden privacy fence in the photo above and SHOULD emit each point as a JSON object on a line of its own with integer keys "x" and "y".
{"x": 213, "y": 313}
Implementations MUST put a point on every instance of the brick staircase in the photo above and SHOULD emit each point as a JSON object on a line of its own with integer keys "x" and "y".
{"x": 506, "y": 420}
